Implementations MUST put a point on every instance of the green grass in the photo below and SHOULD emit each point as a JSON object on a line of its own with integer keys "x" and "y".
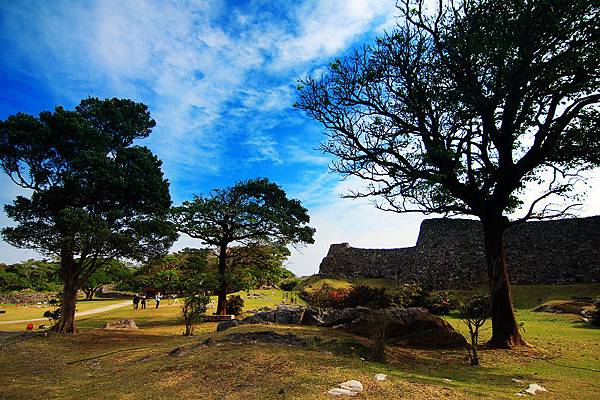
{"x": 137, "y": 364}
{"x": 17, "y": 312}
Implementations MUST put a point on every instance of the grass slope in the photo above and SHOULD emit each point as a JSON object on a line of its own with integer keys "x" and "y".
{"x": 137, "y": 364}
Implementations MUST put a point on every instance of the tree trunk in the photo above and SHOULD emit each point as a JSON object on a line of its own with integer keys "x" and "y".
{"x": 89, "y": 293}
{"x": 222, "y": 292}
{"x": 66, "y": 324}
{"x": 505, "y": 332}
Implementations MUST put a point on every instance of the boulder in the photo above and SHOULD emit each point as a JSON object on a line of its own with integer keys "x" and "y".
{"x": 280, "y": 315}
{"x": 222, "y": 326}
{"x": 121, "y": 324}
{"x": 415, "y": 327}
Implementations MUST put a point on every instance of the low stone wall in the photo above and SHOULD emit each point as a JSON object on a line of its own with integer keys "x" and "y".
{"x": 449, "y": 254}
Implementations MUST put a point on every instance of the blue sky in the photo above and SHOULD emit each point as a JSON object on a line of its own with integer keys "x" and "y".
{"x": 219, "y": 79}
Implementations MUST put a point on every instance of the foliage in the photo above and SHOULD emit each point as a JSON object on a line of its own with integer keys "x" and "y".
{"x": 466, "y": 108}
{"x": 250, "y": 213}
{"x": 95, "y": 196}
{"x": 36, "y": 275}
{"x": 112, "y": 272}
{"x": 290, "y": 284}
{"x": 367, "y": 296}
{"x": 325, "y": 297}
{"x": 474, "y": 312}
{"x": 235, "y": 305}
{"x": 54, "y": 314}
{"x": 441, "y": 302}
{"x": 409, "y": 295}
{"x": 192, "y": 310}
{"x": 256, "y": 266}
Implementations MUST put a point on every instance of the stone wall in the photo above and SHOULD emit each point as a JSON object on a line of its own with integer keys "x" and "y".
{"x": 449, "y": 254}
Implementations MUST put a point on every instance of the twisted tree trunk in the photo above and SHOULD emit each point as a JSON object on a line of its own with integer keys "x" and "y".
{"x": 66, "y": 324}
{"x": 505, "y": 331}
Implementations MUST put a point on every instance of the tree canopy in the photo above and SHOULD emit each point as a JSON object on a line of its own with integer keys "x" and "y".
{"x": 464, "y": 107}
{"x": 253, "y": 212}
{"x": 95, "y": 195}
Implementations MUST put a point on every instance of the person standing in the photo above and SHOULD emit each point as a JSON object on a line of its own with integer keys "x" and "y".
{"x": 136, "y": 301}
{"x": 143, "y": 301}
{"x": 157, "y": 298}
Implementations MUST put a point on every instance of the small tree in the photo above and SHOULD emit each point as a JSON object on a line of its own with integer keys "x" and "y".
{"x": 54, "y": 314}
{"x": 474, "y": 312}
{"x": 192, "y": 310}
{"x": 253, "y": 212}
{"x": 94, "y": 195}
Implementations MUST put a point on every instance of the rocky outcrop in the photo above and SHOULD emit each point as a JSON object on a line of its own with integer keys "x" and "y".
{"x": 413, "y": 327}
{"x": 449, "y": 254}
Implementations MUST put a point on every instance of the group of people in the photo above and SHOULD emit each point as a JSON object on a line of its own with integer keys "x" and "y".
{"x": 141, "y": 300}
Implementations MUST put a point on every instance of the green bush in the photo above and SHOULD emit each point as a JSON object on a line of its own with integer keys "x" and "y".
{"x": 409, "y": 295}
{"x": 441, "y": 303}
{"x": 325, "y": 297}
{"x": 235, "y": 305}
{"x": 367, "y": 296}
{"x": 289, "y": 284}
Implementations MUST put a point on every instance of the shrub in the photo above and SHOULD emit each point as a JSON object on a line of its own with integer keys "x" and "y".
{"x": 474, "y": 312}
{"x": 235, "y": 305}
{"x": 441, "y": 303}
{"x": 367, "y": 296}
{"x": 409, "y": 295}
{"x": 290, "y": 284}
{"x": 192, "y": 309}
{"x": 325, "y": 297}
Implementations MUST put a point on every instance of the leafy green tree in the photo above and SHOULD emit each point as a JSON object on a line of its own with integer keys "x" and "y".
{"x": 464, "y": 109}
{"x": 253, "y": 212}
{"x": 186, "y": 272}
{"x": 112, "y": 272}
{"x": 95, "y": 195}
{"x": 254, "y": 266}
{"x": 30, "y": 274}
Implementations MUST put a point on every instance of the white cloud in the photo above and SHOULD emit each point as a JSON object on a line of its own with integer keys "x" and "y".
{"x": 326, "y": 28}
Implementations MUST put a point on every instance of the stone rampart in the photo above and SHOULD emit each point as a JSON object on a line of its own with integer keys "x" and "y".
{"x": 449, "y": 254}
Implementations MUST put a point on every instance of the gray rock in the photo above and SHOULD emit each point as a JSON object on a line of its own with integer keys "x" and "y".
{"x": 121, "y": 324}
{"x": 222, "y": 326}
{"x": 341, "y": 392}
{"x": 415, "y": 327}
{"x": 353, "y": 385}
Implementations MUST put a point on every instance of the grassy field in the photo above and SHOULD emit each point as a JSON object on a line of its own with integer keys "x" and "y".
{"x": 18, "y": 312}
{"x": 137, "y": 364}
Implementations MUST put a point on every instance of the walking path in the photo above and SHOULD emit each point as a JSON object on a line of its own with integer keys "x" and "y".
{"x": 78, "y": 314}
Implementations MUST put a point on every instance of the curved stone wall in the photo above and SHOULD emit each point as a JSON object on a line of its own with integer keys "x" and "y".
{"x": 449, "y": 254}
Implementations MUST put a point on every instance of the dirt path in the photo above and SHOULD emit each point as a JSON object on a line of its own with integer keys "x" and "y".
{"x": 79, "y": 314}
